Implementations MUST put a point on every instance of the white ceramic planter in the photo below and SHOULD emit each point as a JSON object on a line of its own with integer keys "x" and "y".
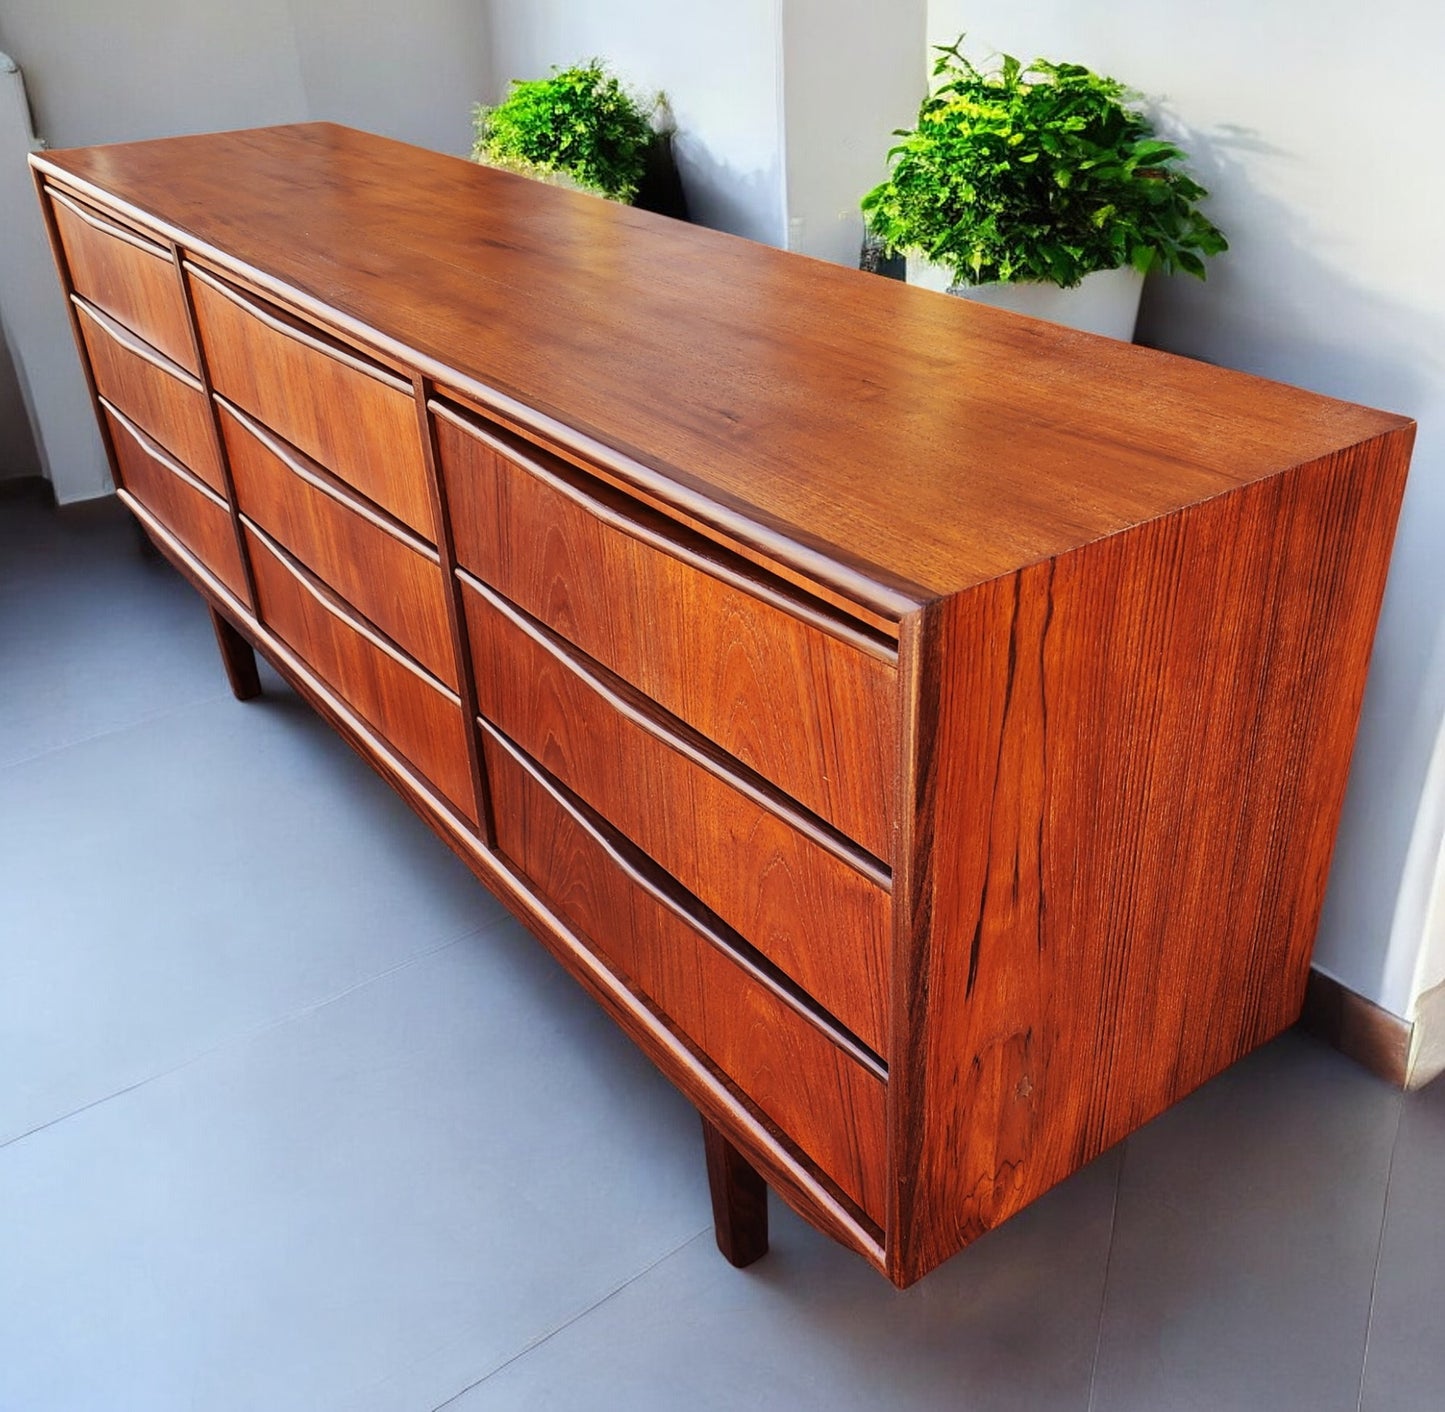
{"x": 1106, "y": 301}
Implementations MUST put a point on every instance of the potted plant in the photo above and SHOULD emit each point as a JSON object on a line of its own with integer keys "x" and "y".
{"x": 581, "y": 127}
{"x": 1042, "y": 188}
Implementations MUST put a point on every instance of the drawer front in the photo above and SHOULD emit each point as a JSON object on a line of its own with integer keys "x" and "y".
{"x": 133, "y": 279}
{"x": 194, "y": 514}
{"x": 826, "y": 1101}
{"x": 414, "y": 713}
{"x": 818, "y": 916}
{"x": 391, "y": 577}
{"x": 159, "y": 396}
{"x": 813, "y": 713}
{"x": 356, "y": 418}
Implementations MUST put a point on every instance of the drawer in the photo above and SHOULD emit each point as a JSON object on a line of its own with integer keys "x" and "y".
{"x": 829, "y": 1099}
{"x": 159, "y": 396}
{"x": 132, "y": 278}
{"x": 389, "y": 575}
{"x": 357, "y": 418}
{"x": 813, "y": 710}
{"x": 410, "y": 709}
{"x": 194, "y": 513}
{"x": 816, "y": 906}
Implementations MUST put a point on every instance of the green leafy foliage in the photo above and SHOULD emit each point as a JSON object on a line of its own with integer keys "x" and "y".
{"x": 580, "y": 123}
{"x": 1043, "y": 172}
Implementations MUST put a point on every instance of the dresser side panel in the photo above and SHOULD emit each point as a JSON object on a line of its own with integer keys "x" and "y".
{"x": 1130, "y": 763}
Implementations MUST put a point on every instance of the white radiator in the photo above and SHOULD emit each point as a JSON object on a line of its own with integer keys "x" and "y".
{"x": 15, "y": 106}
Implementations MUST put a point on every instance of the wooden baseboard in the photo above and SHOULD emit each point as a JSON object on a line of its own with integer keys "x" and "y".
{"x": 1359, "y": 1028}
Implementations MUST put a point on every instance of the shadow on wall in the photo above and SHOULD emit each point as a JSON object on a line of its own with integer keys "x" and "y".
{"x": 1275, "y": 306}
{"x": 1278, "y": 305}
{"x": 724, "y": 198}
{"x": 18, "y": 456}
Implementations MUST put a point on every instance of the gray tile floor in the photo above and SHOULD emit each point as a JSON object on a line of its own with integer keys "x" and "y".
{"x": 293, "y": 1116}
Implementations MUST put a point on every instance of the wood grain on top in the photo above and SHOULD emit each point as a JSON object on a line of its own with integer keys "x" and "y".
{"x": 892, "y": 442}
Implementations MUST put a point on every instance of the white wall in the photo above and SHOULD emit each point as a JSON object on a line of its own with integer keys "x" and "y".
{"x": 153, "y": 68}
{"x": 409, "y": 71}
{"x": 718, "y": 61}
{"x": 1319, "y": 140}
{"x": 852, "y": 73}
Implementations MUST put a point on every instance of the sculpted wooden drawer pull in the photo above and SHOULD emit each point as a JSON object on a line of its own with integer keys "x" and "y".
{"x": 386, "y": 572}
{"x": 414, "y": 712}
{"x": 759, "y": 1034}
{"x": 132, "y": 278}
{"x": 183, "y": 503}
{"x": 354, "y": 416}
{"x": 162, "y": 398}
{"x": 640, "y": 522}
{"x": 289, "y": 326}
{"x": 135, "y": 345}
{"x": 814, "y": 903}
{"x": 796, "y": 693}
{"x": 106, "y": 226}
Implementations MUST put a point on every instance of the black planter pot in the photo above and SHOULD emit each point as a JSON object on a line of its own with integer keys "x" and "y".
{"x": 660, "y": 189}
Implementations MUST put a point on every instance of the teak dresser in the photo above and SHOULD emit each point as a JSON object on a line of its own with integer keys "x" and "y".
{"x": 923, "y": 729}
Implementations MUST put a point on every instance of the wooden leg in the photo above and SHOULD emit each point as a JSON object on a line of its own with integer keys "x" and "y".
{"x": 739, "y": 1200}
{"x": 238, "y": 657}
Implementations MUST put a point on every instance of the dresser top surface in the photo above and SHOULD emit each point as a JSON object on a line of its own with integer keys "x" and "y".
{"x": 920, "y": 444}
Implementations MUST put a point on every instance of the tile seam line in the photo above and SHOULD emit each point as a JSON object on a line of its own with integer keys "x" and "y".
{"x": 1379, "y": 1252}
{"x": 134, "y": 724}
{"x": 567, "y": 1323}
{"x": 244, "y": 1036}
{"x": 1108, "y": 1270}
